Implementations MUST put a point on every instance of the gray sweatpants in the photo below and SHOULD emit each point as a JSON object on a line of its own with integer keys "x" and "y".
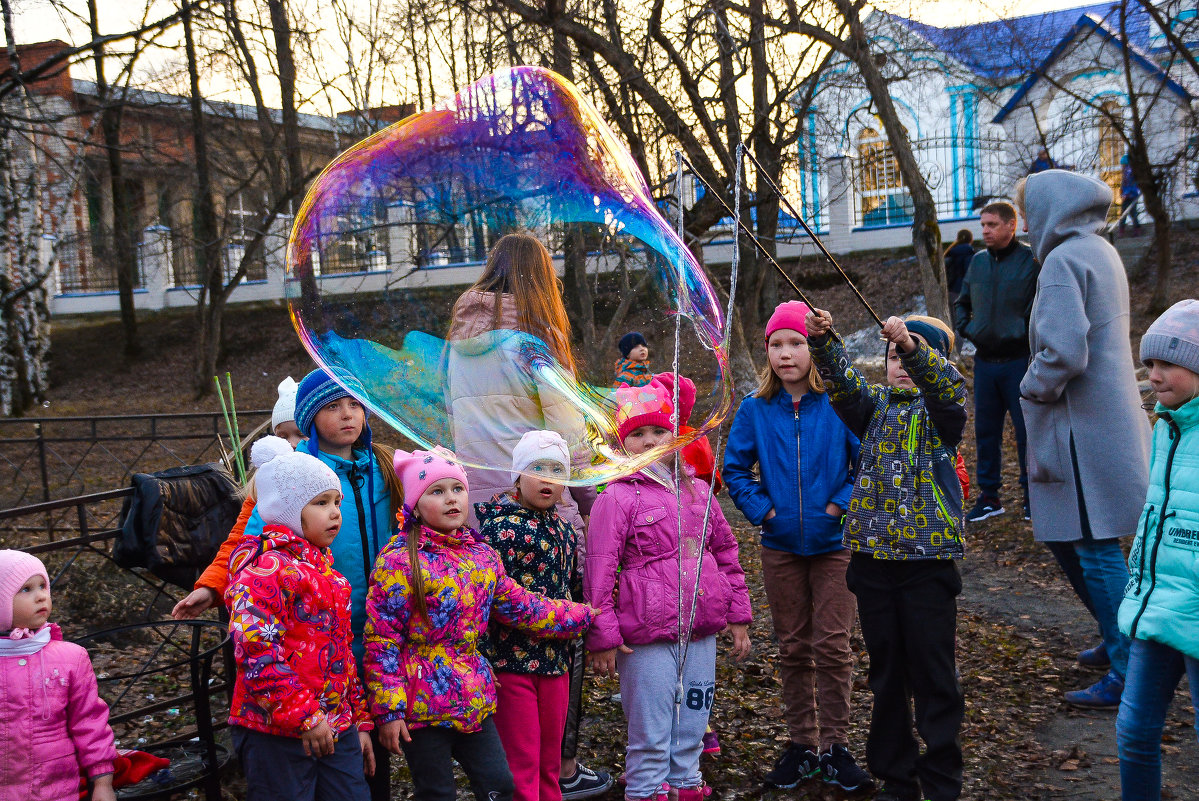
{"x": 664, "y": 748}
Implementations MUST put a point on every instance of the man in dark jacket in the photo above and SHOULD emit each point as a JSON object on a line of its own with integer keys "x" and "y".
{"x": 992, "y": 311}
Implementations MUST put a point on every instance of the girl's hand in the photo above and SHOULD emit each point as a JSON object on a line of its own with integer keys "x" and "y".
{"x": 102, "y": 788}
{"x": 895, "y": 331}
{"x": 818, "y": 322}
{"x": 604, "y": 662}
{"x": 769, "y": 515}
{"x": 833, "y": 510}
{"x": 318, "y": 741}
{"x": 368, "y": 753}
{"x": 390, "y": 734}
{"x": 741, "y": 644}
{"x": 195, "y": 604}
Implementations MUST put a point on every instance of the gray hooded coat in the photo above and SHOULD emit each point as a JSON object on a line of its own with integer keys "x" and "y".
{"x": 1081, "y": 383}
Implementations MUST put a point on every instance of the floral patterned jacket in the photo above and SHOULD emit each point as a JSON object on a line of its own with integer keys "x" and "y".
{"x": 290, "y": 623}
{"x": 538, "y": 551}
{"x": 431, "y": 673}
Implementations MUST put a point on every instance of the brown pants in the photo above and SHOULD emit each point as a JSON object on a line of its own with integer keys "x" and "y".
{"x": 813, "y": 611}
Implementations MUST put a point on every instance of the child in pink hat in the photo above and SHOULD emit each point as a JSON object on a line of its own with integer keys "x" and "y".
{"x": 632, "y": 575}
{"x": 434, "y": 588}
{"x": 56, "y": 725}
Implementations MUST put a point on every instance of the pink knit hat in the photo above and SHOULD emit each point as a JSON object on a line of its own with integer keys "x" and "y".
{"x": 650, "y": 405}
{"x": 686, "y": 394}
{"x": 419, "y": 469}
{"x": 788, "y": 315}
{"x": 16, "y": 567}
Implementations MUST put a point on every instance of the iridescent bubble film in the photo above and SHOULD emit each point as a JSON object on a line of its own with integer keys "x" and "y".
{"x": 394, "y": 232}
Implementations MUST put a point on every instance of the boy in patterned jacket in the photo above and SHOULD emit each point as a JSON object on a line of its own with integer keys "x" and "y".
{"x": 297, "y": 694}
{"x": 904, "y": 530}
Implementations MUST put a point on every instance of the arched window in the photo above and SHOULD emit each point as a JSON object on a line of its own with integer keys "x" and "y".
{"x": 1111, "y": 144}
{"x": 882, "y": 199}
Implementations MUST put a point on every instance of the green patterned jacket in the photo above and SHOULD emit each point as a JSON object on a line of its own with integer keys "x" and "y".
{"x": 907, "y": 501}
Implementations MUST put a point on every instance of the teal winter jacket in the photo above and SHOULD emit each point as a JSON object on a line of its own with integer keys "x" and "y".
{"x": 1161, "y": 602}
{"x": 366, "y": 526}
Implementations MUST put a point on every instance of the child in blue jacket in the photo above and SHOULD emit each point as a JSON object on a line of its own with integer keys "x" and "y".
{"x": 804, "y": 456}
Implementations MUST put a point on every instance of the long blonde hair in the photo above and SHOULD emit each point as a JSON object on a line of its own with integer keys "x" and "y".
{"x": 520, "y": 266}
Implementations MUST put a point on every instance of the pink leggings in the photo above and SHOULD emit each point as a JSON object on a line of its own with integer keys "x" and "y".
{"x": 530, "y": 716}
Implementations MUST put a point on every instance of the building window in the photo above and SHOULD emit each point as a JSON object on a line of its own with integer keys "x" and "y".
{"x": 1111, "y": 145}
{"x": 882, "y": 199}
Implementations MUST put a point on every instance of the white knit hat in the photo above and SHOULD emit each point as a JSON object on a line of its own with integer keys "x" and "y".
{"x": 16, "y": 567}
{"x": 535, "y": 446}
{"x": 285, "y": 407}
{"x": 287, "y": 481}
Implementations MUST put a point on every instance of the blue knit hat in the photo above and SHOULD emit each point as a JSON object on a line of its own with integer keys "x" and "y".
{"x": 317, "y": 390}
{"x": 630, "y": 341}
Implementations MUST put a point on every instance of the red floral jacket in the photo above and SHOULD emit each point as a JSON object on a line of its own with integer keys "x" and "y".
{"x": 290, "y": 623}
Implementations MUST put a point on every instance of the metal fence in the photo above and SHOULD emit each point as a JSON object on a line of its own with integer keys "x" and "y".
{"x": 963, "y": 174}
{"x": 47, "y": 458}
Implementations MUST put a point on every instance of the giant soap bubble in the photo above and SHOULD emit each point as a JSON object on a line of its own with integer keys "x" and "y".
{"x": 400, "y": 225}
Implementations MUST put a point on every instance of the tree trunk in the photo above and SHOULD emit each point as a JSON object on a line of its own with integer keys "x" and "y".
{"x": 210, "y": 308}
{"x": 926, "y": 233}
{"x": 123, "y": 224}
{"x": 1159, "y": 300}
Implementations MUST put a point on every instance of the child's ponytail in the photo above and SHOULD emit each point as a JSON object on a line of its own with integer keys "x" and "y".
{"x": 412, "y": 528}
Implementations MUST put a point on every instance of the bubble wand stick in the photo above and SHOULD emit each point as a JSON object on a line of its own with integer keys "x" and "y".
{"x": 811, "y": 234}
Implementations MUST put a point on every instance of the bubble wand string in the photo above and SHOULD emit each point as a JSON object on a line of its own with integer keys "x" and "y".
{"x": 812, "y": 235}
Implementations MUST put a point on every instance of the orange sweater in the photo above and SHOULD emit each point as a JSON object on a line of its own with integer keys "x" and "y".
{"x": 216, "y": 576}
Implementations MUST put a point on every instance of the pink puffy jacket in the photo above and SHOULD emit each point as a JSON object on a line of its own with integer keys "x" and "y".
{"x": 53, "y": 725}
{"x": 635, "y": 527}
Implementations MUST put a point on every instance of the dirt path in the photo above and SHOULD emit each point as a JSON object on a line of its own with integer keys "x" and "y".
{"x": 1024, "y": 590}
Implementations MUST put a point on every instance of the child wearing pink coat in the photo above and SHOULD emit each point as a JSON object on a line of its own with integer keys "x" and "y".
{"x": 633, "y": 567}
{"x": 53, "y": 725}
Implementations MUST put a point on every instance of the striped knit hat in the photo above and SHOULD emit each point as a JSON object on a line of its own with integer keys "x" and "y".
{"x": 317, "y": 390}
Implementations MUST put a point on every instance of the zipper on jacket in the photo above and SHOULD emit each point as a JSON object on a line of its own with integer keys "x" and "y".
{"x": 799, "y": 473}
{"x": 1144, "y": 540}
{"x": 1175, "y": 439}
{"x": 356, "y": 483}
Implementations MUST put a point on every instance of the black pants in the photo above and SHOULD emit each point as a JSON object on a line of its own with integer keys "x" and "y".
{"x": 908, "y": 612}
{"x": 380, "y": 783}
{"x": 574, "y": 712}
{"x": 433, "y": 751}
{"x": 997, "y": 395}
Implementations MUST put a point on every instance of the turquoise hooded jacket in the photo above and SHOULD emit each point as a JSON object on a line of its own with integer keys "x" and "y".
{"x": 1161, "y": 601}
{"x": 366, "y": 526}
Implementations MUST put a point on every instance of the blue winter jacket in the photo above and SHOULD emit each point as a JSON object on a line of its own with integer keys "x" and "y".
{"x": 1161, "y": 601}
{"x": 366, "y": 526}
{"x": 805, "y": 459}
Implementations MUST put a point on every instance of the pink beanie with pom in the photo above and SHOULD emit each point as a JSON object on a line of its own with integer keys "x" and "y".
{"x": 419, "y": 470}
{"x": 16, "y": 567}
{"x": 650, "y": 405}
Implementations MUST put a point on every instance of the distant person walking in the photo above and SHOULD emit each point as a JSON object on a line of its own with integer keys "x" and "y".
{"x": 992, "y": 311}
{"x": 957, "y": 259}
{"x": 1130, "y": 198}
{"x": 1042, "y": 162}
{"x": 1088, "y": 436}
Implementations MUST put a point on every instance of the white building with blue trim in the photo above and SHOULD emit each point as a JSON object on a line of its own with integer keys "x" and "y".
{"x": 980, "y": 101}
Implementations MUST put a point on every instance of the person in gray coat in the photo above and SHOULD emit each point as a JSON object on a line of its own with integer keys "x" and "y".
{"x": 1088, "y": 437}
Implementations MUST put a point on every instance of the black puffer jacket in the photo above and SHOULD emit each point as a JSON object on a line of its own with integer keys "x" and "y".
{"x": 995, "y": 303}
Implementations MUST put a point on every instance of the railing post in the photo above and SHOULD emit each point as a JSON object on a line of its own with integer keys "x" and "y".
{"x": 41, "y": 460}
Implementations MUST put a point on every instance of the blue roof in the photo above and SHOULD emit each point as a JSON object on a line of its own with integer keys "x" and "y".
{"x": 1005, "y": 49}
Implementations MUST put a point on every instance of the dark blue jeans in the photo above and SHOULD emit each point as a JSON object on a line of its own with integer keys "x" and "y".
{"x": 1154, "y": 671}
{"x": 434, "y": 750}
{"x": 276, "y": 767}
{"x": 996, "y": 395}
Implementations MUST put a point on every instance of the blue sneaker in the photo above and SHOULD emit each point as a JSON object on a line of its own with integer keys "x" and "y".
{"x": 1095, "y": 658}
{"x": 1103, "y": 694}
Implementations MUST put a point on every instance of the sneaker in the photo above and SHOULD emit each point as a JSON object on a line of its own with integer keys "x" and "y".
{"x": 1095, "y": 658}
{"x": 711, "y": 743}
{"x": 838, "y": 768}
{"x": 586, "y": 783}
{"x": 1103, "y": 694}
{"x": 796, "y": 764}
{"x": 984, "y": 508}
